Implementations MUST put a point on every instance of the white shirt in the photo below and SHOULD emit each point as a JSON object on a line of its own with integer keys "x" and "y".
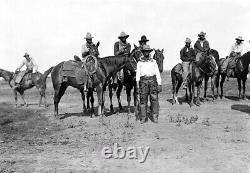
{"x": 148, "y": 68}
{"x": 236, "y": 48}
{"x": 29, "y": 64}
{"x": 84, "y": 48}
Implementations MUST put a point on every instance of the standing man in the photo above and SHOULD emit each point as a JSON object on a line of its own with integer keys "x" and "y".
{"x": 143, "y": 41}
{"x": 30, "y": 64}
{"x": 201, "y": 46}
{"x": 187, "y": 55}
{"x": 148, "y": 82}
{"x": 234, "y": 53}
{"x": 87, "y": 46}
{"x": 121, "y": 47}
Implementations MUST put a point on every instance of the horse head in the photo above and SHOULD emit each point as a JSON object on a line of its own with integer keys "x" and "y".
{"x": 94, "y": 50}
{"x": 159, "y": 57}
{"x": 136, "y": 53}
{"x": 211, "y": 64}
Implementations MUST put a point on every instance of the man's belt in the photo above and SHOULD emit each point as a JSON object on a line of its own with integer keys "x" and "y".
{"x": 148, "y": 77}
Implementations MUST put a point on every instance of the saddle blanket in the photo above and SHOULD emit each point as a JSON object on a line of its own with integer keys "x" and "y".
{"x": 74, "y": 69}
{"x": 20, "y": 76}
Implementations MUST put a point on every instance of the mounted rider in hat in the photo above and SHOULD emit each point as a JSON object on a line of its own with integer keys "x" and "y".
{"x": 235, "y": 52}
{"x": 201, "y": 46}
{"x": 143, "y": 41}
{"x": 30, "y": 64}
{"x": 187, "y": 55}
{"x": 87, "y": 46}
{"x": 148, "y": 81}
{"x": 121, "y": 47}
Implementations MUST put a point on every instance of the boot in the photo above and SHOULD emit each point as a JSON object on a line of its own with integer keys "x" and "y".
{"x": 155, "y": 118}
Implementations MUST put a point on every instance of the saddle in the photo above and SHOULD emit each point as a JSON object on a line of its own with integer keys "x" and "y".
{"x": 20, "y": 75}
{"x": 74, "y": 69}
{"x": 232, "y": 62}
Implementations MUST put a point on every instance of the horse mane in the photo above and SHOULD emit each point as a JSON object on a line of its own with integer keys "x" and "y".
{"x": 111, "y": 60}
{"x": 5, "y": 74}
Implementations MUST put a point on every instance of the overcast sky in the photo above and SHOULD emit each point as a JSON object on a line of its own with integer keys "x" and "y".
{"x": 53, "y": 30}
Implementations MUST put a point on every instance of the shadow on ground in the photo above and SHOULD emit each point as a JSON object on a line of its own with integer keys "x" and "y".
{"x": 241, "y": 108}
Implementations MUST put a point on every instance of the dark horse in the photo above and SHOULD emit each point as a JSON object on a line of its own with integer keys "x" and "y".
{"x": 240, "y": 72}
{"x": 35, "y": 79}
{"x": 105, "y": 69}
{"x": 129, "y": 78}
{"x": 214, "y": 76}
{"x": 198, "y": 70}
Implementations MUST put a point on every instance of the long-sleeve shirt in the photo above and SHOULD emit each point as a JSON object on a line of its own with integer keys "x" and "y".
{"x": 148, "y": 68}
{"x": 30, "y": 65}
{"x": 201, "y": 46}
{"x": 121, "y": 48}
{"x": 187, "y": 54}
{"x": 85, "y": 49}
{"x": 237, "y": 48}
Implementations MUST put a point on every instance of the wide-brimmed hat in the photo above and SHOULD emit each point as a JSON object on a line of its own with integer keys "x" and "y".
{"x": 143, "y": 39}
{"x": 123, "y": 35}
{"x": 26, "y": 55}
{"x": 188, "y": 40}
{"x": 239, "y": 38}
{"x": 146, "y": 48}
{"x": 88, "y": 36}
{"x": 202, "y": 33}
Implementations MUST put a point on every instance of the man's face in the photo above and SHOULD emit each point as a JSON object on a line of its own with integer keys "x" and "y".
{"x": 202, "y": 37}
{"x": 123, "y": 39}
{"x": 146, "y": 53}
{"x": 143, "y": 43}
{"x": 238, "y": 41}
{"x": 89, "y": 40}
{"x": 27, "y": 58}
{"x": 188, "y": 44}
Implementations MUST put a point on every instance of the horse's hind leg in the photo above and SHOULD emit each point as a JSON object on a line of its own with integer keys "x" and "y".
{"x": 84, "y": 110}
{"x": 57, "y": 97}
{"x": 110, "y": 98}
{"x": 205, "y": 86}
{"x": 22, "y": 96}
{"x": 239, "y": 87}
{"x": 221, "y": 85}
{"x": 128, "y": 92}
{"x": 244, "y": 88}
{"x": 15, "y": 97}
{"x": 118, "y": 94}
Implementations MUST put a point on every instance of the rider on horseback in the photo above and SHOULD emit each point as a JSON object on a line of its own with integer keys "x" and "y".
{"x": 201, "y": 46}
{"x": 148, "y": 81}
{"x": 235, "y": 53}
{"x": 143, "y": 41}
{"x": 121, "y": 47}
{"x": 87, "y": 46}
{"x": 30, "y": 64}
{"x": 187, "y": 55}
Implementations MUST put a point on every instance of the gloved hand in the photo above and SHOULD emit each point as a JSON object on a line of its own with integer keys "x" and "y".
{"x": 159, "y": 88}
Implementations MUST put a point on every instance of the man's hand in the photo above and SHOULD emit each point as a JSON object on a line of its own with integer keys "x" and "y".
{"x": 159, "y": 88}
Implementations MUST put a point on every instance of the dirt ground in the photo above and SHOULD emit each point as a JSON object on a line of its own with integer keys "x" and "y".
{"x": 207, "y": 139}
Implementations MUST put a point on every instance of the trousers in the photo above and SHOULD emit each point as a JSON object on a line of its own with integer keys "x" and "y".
{"x": 148, "y": 88}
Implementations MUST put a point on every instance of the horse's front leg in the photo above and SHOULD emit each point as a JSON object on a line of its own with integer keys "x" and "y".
{"x": 110, "y": 98}
{"x": 223, "y": 77}
{"x": 213, "y": 83}
{"x": 128, "y": 92}
{"x": 84, "y": 110}
{"x": 244, "y": 88}
{"x": 100, "y": 100}
{"x": 239, "y": 87}
{"x": 22, "y": 96}
{"x": 118, "y": 94}
{"x": 15, "y": 97}
{"x": 205, "y": 86}
{"x": 198, "y": 102}
{"x": 192, "y": 94}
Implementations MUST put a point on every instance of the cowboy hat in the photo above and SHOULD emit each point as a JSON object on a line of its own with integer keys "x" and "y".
{"x": 123, "y": 35}
{"x": 143, "y": 39}
{"x": 26, "y": 55}
{"x": 202, "y": 33}
{"x": 146, "y": 48}
{"x": 239, "y": 38}
{"x": 188, "y": 40}
{"x": 88, "y": 36}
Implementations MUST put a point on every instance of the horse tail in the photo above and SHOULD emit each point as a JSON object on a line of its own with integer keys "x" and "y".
{"x": 42, "y": 80}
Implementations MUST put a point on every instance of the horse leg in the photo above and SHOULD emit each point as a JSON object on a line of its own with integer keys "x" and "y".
{"x": 15, "y": 96}
{"x": 239, "y": 87}
{"x": 57, "y": 97}
{"x": 198, "y": 96}
{"x": 205, "y": 87}
{"x": 88, "y": 97}
{"x": 110, "y": 98}
{"x": 92, "y": 101}
{"x": 118, "y": 94}
{"x": 99, "y": 90}
{"x": 244, "y": 88}
{"x": 128, "y": 92}
{"x": 217, "y": 81}
{"x": 22, "y": 96}
{"x": 213, "y": 83}
{"x": 177, "y": 87}
{"x": 192, "y": 94}
{"x": 84, "y": 110}
{"x": 223, "y": 77}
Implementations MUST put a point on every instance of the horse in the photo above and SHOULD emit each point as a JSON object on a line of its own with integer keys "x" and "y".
{"x": 99, "y": 80}
{"x": 240, "y": 72}
{"x": 214, "y": 76}
{"x": 129, "y": 78}
{"x": 197, "y": 73}
{"x": 29, "y": 81}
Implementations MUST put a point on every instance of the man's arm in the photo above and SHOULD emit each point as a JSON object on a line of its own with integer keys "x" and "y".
{"x": 198, "y": 47}
{"x": 21, "y": 65}
{"x": 116, "y": 49}
{"x": 127, "y": 50}
{"x": 85, "y": 51}
{"x": 206, "y": 46}
{"x": 34, "y": 64}
{"x": 182, "y": 55}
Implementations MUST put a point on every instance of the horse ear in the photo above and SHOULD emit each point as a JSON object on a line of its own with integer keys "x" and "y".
{"x": 162, "y": 50}
{"x": 97, "y": 44}
{"x": 135, "y": 46}
{"x": 154, "y": 49}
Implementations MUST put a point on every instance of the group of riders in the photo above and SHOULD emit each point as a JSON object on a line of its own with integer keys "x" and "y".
{"x": 148, "y": 77}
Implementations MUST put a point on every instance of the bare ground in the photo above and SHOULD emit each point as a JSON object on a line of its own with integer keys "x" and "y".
{"x": 211, "y": 138}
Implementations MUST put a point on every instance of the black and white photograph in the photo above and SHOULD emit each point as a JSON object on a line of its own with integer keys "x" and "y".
{"x": 112, "y": 86}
